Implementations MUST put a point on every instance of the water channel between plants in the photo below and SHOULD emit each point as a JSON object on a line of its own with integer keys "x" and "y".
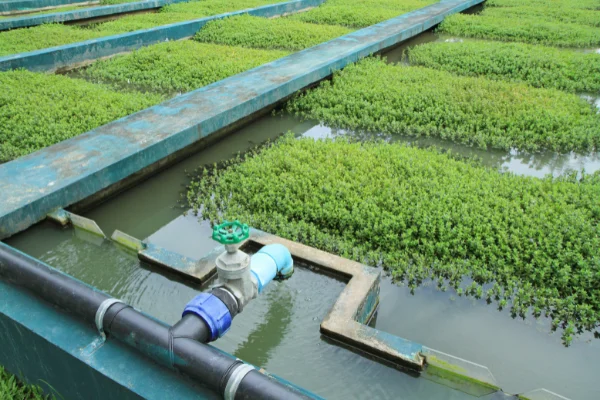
{"x": 280, "y": 330}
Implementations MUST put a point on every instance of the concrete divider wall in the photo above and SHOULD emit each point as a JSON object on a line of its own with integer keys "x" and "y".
{"x": 83, "y": 13}
{"x": 54, "y": 58}
{"x": 73, "y": 170}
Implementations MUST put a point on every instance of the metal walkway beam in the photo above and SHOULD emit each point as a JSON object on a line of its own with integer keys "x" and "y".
{"x": 73, "y": 170}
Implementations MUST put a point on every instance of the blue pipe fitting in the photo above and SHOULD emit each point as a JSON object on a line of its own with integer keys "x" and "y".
{"x": 271, "y": 261}
{"x": 212, "y": 311}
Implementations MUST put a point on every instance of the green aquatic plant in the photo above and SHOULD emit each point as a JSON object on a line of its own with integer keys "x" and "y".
{"x": 359, "y": 14}
{"x": 174, "y": 13}
{"x": 51, "y": 35}
{"x": 550, "y": 14}
{"x": 493, "y": 24}
{"x": 275, "y": 33}
{"x": 422, "y": 214}
{"x": 178, "y": 66}
{"x": 41, "y": 37}
{"x": 12, "y": 388}
{"x": 38, "y": 110}
{"x": 547, "y": 4}
{"x": 415, "y": 101}
{"x": 51, "y": 11}
{"x": 539, "y": 66}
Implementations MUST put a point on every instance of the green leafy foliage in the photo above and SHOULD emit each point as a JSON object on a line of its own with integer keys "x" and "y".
{"x": 539, "y": 66}
{"x": 50, "y": 35}
{"x": 65, "y": 9}
{"x": 41, "y": 37}
{"x": 174, "y": 13}
{"x": 51, "y": 11}
{"x": 178, "y": 66}
{"x": 38, "y": 110}
{"x": 569, "y": 4}
{"x": 415, "y": 101}
{"x": 359, "y": 14}
{"x": 551, "y": 14}
{"x": 532, "y": 243}
{"x": 564, "y": 27}
{"x": 11, "y": 388}
{"x": 274, "y": 33}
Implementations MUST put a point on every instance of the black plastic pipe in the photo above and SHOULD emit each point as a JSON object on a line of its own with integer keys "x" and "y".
{"x": 178, "y": 347}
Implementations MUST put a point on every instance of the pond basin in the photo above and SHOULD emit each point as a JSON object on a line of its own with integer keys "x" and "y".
{"x": 280, "y": 330}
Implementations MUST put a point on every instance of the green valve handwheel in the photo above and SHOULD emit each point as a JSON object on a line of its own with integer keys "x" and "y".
{"x": 231, "y": 232}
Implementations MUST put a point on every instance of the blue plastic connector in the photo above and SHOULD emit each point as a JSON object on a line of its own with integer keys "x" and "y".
{"x": 213, "y": 311}
{"x": 271, "y": 261}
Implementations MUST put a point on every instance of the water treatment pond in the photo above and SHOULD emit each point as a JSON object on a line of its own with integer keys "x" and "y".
{"x": 280, "y": 330}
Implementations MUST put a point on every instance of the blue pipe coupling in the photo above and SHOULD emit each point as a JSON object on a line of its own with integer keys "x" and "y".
{"x": 212, "y": 311}
{"x": 271, "y": 261}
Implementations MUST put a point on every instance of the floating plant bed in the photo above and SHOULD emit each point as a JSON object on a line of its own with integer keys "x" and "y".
{"x": 40, "y": 37}
{"x": 359, "y": 14}
{"x": 277, "y": 33}
{"x": 562, "y": 23}
{"x": 538, "y": 66}
{"x": 38, "y": 110}
{"x": 178, "y": 66}
{"x": 415, "y": 101}
{"x": 422, "y": 214}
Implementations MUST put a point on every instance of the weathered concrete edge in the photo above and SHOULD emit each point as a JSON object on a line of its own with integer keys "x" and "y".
{"x": 346, "y": 320}
{"x": 357, "y": 302}
{"x": 354, "y": 307}
{"x": 20, "y": 5}
{"x": 84, "y": 13}
{"x": 55, "y": 58}
{"x": 198, "y": 270}
{"x": 64, "y": 217}
{"x": 36, "y": 184}
{"x": 176, "y": 263}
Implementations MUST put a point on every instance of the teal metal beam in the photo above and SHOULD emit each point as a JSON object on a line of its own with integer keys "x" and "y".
{"x": 70, "y": 171}
{"x": 83, "y": 13}
{"x": 54, "y": 58}
{"x": 22, "y": 5}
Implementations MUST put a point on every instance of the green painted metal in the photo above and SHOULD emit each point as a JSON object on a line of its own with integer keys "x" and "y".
{"x": 38, "y": 183}
{"x": 231, "y": 232}
{"x": 84, "y": 13}
{"x": 54, "y": 58}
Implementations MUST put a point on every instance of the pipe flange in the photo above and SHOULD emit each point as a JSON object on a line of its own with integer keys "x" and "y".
{"x": 235, "y": 379}
{"x": 104, "y": 306}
